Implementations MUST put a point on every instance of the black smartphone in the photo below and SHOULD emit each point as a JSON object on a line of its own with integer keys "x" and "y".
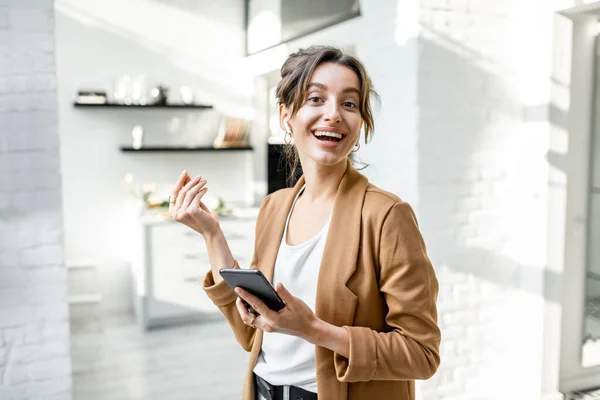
{"x": 254, "y": 282}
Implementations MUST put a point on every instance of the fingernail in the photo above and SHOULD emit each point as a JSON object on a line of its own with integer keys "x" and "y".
{"x": 184, "y": 172}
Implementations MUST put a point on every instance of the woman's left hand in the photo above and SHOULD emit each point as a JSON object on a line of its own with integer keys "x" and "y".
{"x": 296, "y": 318}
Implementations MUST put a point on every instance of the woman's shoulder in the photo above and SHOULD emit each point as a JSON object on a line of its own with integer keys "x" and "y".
{"x": 380, "y": 205}
{"x": 378, "y": 198}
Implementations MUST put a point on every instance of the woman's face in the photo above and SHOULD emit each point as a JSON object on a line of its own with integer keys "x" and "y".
{"x": 327, "y": 126}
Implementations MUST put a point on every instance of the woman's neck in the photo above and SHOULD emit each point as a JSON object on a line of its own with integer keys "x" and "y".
{"x": 322, "y": 182}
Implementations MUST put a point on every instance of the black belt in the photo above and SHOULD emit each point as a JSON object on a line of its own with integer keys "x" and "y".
{"x": 271, "y": 392}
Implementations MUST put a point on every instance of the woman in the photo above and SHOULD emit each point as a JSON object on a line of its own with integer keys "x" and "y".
{"x": 347, "y": 258}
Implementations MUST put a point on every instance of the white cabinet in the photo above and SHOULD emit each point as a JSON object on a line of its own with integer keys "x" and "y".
{"x": 171, "y": 265}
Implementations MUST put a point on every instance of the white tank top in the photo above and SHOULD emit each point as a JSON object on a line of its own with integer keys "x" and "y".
{"x": 286, "y": 359}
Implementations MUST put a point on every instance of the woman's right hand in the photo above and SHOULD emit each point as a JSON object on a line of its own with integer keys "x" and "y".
{"x": 186, "y": 206}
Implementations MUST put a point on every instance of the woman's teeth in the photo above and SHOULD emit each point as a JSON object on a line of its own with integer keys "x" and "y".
{"x": 323, "y": 135}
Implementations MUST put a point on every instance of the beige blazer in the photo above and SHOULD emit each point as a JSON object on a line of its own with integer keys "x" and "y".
{"x": 375, "y": 280}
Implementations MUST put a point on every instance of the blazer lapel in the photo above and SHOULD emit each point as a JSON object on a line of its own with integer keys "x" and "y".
{"x": 335, "y": 302}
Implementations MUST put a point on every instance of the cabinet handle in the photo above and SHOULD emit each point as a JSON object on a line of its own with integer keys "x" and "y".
{"x": 190, "y": 234}
{"x": 191, "y": 256}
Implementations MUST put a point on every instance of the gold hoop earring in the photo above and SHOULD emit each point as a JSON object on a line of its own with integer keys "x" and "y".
{"x": 287, "y": 139}
{"x": 356, "y": 147}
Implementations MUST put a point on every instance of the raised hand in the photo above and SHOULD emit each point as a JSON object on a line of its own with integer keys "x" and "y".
{"x": 186, "y": 206}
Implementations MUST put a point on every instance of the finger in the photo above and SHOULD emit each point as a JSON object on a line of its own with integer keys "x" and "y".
{"x": 173, "y": 210}
{"x": 184, "y": 190}
{"x": 248, "y": 317}
{"x": 178, "y": 185}
{"x": 285, "y": 294}
{"x": 197, "y": 200}
{"x": 188, "y": 184}
{"x": 255, "y": 303}
{"x": 244, "y": 313}
{"x": 191, "y": 194}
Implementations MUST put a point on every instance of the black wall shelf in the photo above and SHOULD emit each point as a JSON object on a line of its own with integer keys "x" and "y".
{"x": 156, "y": 149}
{"x": 138, "y": 106}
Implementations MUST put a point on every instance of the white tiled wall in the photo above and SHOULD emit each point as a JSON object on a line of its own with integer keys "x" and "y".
{"x": 34, "y": 331}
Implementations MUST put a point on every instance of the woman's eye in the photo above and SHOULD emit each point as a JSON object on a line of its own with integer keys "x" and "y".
{"x": 349, "y": 104}
{"x": 314, "y": 99}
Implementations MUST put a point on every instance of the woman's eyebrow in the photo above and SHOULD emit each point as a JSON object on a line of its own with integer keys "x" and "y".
{"x": 319, "y": 85}
{"x": 323, "y": 87}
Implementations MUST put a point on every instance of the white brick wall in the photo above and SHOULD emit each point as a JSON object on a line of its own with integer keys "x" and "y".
{"x": 34, "y": 329}
{"x": 484, "y": 88}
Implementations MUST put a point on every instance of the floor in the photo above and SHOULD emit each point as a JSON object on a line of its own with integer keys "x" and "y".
{"x": 114, "y": 360}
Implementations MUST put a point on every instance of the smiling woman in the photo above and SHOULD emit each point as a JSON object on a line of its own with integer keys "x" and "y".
{"x": 303, "y": 78}
{"x": 360, "y": 315}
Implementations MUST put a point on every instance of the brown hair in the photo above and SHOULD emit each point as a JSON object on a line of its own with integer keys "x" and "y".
{"x": 295, "y": 78}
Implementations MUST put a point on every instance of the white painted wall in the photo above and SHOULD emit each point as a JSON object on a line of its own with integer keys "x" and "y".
{"x": 177, "y": 43}
{"x": 34, "y": 329}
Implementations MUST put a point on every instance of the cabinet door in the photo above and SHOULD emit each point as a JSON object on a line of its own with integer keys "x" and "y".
{"x": 178, "y": 263}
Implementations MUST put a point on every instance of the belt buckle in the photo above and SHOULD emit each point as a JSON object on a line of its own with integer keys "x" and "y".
{"x": 267, "y": 393}
{"x": 297, "y": 393}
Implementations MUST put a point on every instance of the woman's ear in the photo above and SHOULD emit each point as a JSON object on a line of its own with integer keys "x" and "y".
{"x": 284, "y": 118}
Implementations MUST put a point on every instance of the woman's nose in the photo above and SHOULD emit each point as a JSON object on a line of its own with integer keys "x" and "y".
{"x": 332, "y": 113}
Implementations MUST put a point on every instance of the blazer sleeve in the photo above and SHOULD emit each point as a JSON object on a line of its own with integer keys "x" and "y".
{"x": 409, "y": 285}
{"x": 224, "y": 297}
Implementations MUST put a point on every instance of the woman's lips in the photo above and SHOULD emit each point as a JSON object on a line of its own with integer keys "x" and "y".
{"x": 329, "y": 143}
